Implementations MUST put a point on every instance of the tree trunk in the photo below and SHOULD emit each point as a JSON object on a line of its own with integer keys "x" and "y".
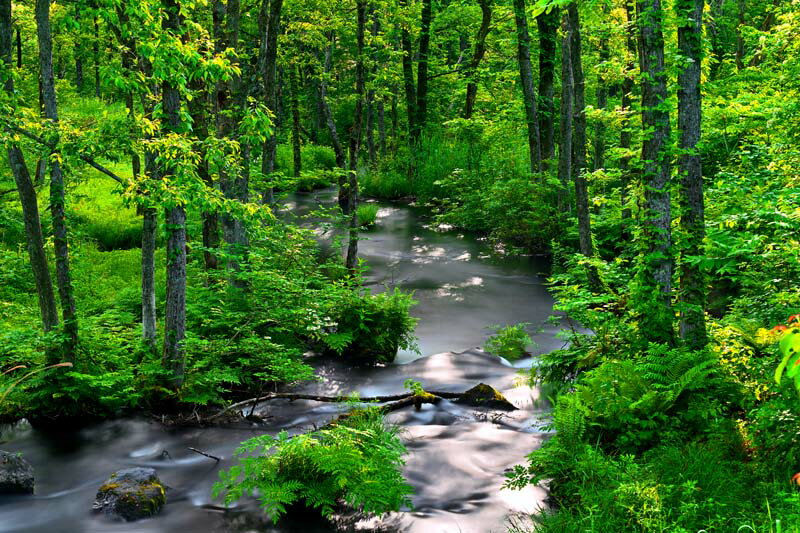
{"x": 625, "y": 134}
{"x": 175, "y": 314}
{"x": 268, "y": 56}
{"x": 149, "y": 228}
{"x": 656, "y": 311}
{"x": 712, "y": 27}
{"x": 598, "y": 157}
{"x": 57, "y": 197}
{"x": 382, "y": 127}
{"x": 19, "y": 48}
{"x": 338, "y": 148}
{"x": 692, "y": 282}
{"x": 742, "y": 9}
{"x": 477, "y": 57}
{"x": 79, "y": 67}
{"x": 548, "y": 36}
{"x": 27, "y": 192}
{"x": 526, "y": 79}
{"x": 96, "y": 55}
{"x": 565, "y": 118}
{"x": 355, "y": 137}
{"x": 579, "y": 145}
{"x": 295, "y": 104}
{"x": 408, "y": 76}
{"x": 422, "y": 68}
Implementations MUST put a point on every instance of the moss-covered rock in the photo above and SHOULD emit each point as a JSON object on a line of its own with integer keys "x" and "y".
{"x": 16, "y": 474}
{"x": 131, "y": 494}
{"x": 483, "y": 395}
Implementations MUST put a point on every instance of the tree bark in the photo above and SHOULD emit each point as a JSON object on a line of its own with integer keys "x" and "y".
{"x": 268, "y": 57}
{"x": 175, "y": 313}
{"x": 526, "y": 79}
{"x": 382, "y": 127}
{"x": 294, "y": 102}
{"x": 625, "y": 133}
{"x": 57, "y": 196}
{"x": 19, "y": 48}
{"x": 548, "y": 36}
{"x": 565, "y": 117}
{"x": 477, "y": 56}
{"x": 408, "y": 76}
{"x": 692, "y": 282}
{"x": 422, "y": 68}
{"x": 598, "y": 157}
{"x": 27, "y": 192}
{"x": 355, "y": 138}
{"x": 656, "y": 311}
{"x": 96, "y": 56}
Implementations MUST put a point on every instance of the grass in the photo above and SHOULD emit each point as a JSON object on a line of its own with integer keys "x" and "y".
{"x": 99, "y": 212}
{"x": 367, "y": 213}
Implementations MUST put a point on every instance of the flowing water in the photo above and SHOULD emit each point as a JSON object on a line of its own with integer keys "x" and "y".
{"x": 457, "y": 454}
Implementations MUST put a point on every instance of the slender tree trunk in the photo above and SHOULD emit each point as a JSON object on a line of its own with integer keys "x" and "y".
{"x": 295, "y": 104}
{"x": 79, "y": 67}
{"x": 338, "y": 148}
{"x": 477, "y": 56}
{"x": 96, "y": 55}
{"x": 382, "y": 127}
{"x": 548, "y": 37}
{"x": 355, "y": 138}
{"x": 625, "y": 134}
{"x": 598, "y": 159}
{"x": 579, "y": 145}
{"x": 19, "y": 48}
{"x": 692, "y": 282}
{"x": 268, "y": 56}
{"x": 175, "y": 314}
{"x": 565, "y": 117}
{"x": 422, "y": 68}
{"x": 27, "y": 192}
{"x": 741, "y": 11}
{"x": 149, "y": 228}
{"x": 526, "y": 79}
{"x": 656, "y": 312}
{"x": 408, "y": 76}
{"x": 57, "y": 197}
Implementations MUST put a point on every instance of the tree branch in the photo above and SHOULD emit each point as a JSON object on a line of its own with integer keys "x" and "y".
{"x": 85, "y": 158}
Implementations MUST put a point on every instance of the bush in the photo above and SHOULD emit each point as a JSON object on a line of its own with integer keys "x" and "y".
{"x": 367, "y": 213}
{"x": 509, "y": 342}
{"x": 356, "y": 460}
{"x": 312, "y": 157}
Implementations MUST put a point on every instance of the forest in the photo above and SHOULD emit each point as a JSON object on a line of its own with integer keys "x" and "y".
{"x": 400, "y": 265}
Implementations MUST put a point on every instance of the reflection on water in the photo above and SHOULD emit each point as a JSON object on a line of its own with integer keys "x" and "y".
{"x": 458, "y": 454}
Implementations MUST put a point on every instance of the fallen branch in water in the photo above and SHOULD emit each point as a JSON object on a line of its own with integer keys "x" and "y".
{"x": 480, "y": 395}
{"x": 195, "y": 450}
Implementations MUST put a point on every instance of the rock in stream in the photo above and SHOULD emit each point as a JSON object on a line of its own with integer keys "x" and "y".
{"x": 16, "y": 474}
{"x": 131, "y": 494}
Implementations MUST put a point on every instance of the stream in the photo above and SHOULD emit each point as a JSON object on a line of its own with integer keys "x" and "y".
{"x": 457, "y": 454}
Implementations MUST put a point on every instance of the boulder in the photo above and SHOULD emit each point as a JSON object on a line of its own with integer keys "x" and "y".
{"x": 131, "y": 494}
{"x": 16, "y": 474}
{"x": 483, "y": 395}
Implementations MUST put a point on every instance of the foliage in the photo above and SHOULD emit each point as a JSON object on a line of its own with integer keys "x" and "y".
{"x": 510, "y": 342}
{"x": 355, "y": 460}
{"x": 367, "y": 213}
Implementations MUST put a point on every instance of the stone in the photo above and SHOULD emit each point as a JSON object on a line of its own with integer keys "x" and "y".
{"x": 483, "y": 395}
{"x": 131, "y": 494}
{"x": 16, "y": 474}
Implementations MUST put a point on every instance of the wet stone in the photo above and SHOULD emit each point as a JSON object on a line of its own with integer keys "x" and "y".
{"x": 131, "y": 494}
{"x": 16, "y": 474}
{"x": 483, "y": 395}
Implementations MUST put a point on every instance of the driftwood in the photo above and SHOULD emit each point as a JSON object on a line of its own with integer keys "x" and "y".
{"x": 481, "y": 395}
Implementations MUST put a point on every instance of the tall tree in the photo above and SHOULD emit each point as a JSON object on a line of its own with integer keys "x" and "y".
{"x": 565, "y": 116}
{"x": 27, "y": 192}
{"x": 408, "y": 72}
{"x": 656, "y": 267}
{"x": 598, "y": 156}
{"x": 626, "y": 101}
{"x": 526, "y": 80}
{"x": 294, "y": 103}
{"x": 547, "y": 23}
{"x": 270, "y": 22}
{"x": 692, "y": 282}
{"x": 57, "y": 196}
{"x": 355, "y": 136}
{"x": 477, "y": 55}
{"x": 175, "y": 315}
{"x": 426, "y": 17}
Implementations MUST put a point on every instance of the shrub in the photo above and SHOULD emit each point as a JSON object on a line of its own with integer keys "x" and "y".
{"x": 509, "y": 342}
{"x": 367, "y": 213}
{"x": 356, "y": 460}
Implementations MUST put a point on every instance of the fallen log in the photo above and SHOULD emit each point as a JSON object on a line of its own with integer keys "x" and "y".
{"x": 481, "y": 395}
